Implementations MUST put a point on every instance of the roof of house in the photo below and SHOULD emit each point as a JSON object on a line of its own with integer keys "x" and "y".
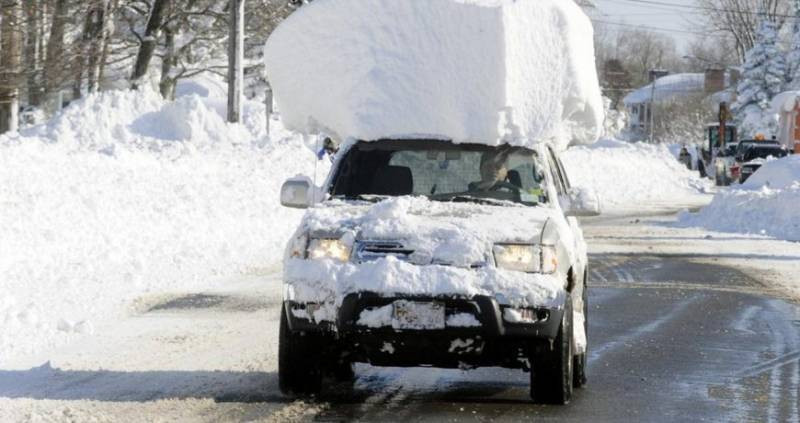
{"x": 667, "y": 88}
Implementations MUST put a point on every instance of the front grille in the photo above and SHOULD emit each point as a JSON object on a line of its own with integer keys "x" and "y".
{"x": 374, "y": 250}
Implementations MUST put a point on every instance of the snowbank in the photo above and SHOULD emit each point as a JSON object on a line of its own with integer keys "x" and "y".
{"x": 767, "y": 204}
{"x": 633, "y": 175}
{"x": 486, "y": 71}
{"x": 124, "y": 194}
{"x": 777, "y": 174}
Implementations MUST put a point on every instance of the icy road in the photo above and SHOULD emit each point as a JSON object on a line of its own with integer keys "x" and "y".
{"x": 684, "y": 326}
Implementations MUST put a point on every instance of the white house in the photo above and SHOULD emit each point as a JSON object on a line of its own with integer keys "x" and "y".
{"x": 663, "y": 89}
{"x": 713, "y": 82}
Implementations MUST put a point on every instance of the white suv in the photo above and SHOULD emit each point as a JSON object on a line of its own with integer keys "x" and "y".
{"x": 430, "y": 253}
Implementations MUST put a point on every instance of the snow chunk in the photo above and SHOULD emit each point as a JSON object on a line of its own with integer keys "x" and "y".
{"x": 462, "y": 320}
{"x": 467, "y": 70}
{"x": 376, "y": 317}
{"x": 387, "y": 348}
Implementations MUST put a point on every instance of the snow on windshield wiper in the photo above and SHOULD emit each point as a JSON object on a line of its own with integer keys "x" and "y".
{"x": 479, "y": 200}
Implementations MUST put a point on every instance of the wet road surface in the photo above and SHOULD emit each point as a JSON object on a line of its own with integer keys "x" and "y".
{"x": 671, "y": 339}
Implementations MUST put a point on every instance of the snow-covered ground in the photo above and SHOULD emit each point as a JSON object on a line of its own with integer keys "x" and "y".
{"x": 124, "y": 194}
{"x": 767, "y": 204}
{"x": 635, "y": 176}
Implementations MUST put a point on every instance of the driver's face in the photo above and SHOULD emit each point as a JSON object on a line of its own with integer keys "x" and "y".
{"x": 494, "y": 170}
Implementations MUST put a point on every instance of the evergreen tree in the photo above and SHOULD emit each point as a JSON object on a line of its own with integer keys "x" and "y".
{"x": 793, "y": 58}
{"x": 763, "y": 77}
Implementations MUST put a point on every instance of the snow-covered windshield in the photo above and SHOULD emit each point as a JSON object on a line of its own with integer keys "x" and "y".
{"x": 441, "y": 171}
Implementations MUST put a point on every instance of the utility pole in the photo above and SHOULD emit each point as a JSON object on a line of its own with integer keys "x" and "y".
{"x": 268, "y": 104}
{"x": 235, "y": 61}
{"x": 654, "y": 76}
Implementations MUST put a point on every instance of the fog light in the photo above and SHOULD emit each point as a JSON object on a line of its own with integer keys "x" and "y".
{"x": 525, "y": 315}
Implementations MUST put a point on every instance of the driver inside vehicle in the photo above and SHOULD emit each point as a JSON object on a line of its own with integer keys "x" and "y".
{"x": 494, "y": 171}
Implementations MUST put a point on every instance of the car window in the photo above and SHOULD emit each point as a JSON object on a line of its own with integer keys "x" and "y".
{"x": 442, "y": 171}
{"x": 563, "y": 170}
{"x": 558, "y": 179}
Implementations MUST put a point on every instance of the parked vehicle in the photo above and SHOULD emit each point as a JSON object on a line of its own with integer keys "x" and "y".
{"x": 431, "y": 253}
{"x": 755, "y": 155}
{"x": 725, "y": 170}
{"x": 717, "y": 155}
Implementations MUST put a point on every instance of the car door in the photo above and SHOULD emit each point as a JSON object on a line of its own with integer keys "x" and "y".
{"x": 579, "y": 246}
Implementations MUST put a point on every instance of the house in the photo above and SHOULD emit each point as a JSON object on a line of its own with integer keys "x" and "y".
{"x": 713, "y": 83}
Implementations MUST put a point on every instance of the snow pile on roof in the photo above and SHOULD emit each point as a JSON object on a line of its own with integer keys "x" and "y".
{"x": 785, "y": 101}
{"x": 125, "y": 194}
{"x": 634, "y": 175}
{"x": 487, "y": 71}
{"x": 767, "y": 204}
{"x": 667, "y": 88}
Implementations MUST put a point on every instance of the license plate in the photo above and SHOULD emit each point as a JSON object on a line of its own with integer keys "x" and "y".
{"x": 418, "y": 315}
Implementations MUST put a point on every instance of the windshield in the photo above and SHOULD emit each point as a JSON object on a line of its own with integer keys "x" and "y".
{"x": 441, "y": 171}
{"x": 763, "y": 152}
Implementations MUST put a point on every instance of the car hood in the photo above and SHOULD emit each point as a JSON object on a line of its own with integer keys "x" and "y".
{"x": 457, "y": 234}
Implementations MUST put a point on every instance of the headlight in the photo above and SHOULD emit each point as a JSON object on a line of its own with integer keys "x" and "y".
{"x": 526, "y": 258}
{"x": 320, "y": 249}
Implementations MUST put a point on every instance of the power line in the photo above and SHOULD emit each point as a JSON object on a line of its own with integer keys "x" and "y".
{"x": 655, "y": 28}
{"x": 702, "y": 8}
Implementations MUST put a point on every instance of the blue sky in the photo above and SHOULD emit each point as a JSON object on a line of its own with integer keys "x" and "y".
{"x": 672, "y": 18}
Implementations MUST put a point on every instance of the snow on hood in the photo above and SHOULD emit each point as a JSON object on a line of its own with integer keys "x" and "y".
{"x": 481, "y": 71}
{"x": 448, "y": 238}
{"x": 459, "y": 234}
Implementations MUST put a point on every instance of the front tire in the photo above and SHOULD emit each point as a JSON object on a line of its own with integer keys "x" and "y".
{"x": 551, "y": 378}
{"x": 299, "y": 361}
{"x": 579, "y": 378}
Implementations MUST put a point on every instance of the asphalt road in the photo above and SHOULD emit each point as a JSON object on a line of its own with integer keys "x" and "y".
{"x": 670, "y": 340}
{"x": 673, "y": 337}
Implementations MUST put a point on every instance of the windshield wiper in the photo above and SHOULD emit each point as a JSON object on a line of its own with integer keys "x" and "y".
{"x": 372, "y": 198}
{"x": 478, "y": 200}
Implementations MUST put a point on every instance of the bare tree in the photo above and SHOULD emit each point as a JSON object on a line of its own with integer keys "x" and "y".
{"x": 10, "y": 45}
{"x": 235, "y": 60}
{"x": 148, "y": 41}
{"x": 740, "y": 19}
{"x": 54, "y": 57}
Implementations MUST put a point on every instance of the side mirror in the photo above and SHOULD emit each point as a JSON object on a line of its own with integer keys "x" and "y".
{"x": 297, "y": 193}
{"x": 581, "y": 202}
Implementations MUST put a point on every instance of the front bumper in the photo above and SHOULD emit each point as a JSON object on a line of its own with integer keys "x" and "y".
{"x": 495, "y": 341}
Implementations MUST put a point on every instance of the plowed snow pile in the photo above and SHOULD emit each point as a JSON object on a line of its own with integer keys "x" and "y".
{"x": 767, "y": 204}
{"x": 634, "y": 175}
{"x": 125, "y": 194}
{"x": 486, "y": 71}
